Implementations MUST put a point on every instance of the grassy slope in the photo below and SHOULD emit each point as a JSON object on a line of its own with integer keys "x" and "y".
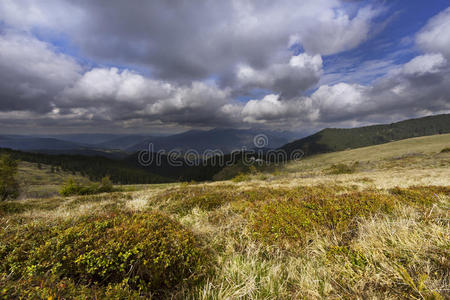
{"x": 337, "y": 139}
{"x": 42, "y": 183}
{"x": 297, "y": 232}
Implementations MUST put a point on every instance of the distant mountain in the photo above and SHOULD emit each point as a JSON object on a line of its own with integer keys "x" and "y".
{"x": 225, "y": 140}
{"x": 27, "y": 143}
{"x": 84, "y": 138}
{"x": 123, "y": 142}
{"x": 55, "y": 146}
{"x": 337, "y": 139}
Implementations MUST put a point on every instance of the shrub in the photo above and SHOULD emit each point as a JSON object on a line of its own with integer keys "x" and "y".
{"x": 147, "y": 252}
{"x": 342, "y": 169}
{"x": 71, "y": 187}
{"x": 289, "y": 219}
{"x": 241, "y": 177}
{"x": 420, "y": 195}
{"x": 9, "y": 188}
{"x": 185, "y": 199}
{"x": 445, "y": 150}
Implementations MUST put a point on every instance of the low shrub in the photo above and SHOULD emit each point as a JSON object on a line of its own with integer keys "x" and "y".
{"x": 342, "y": 169}
{"x": 9, "y": 187}
{"x": 147, "y": 252}
{"x": 71, "y": 187}
{"x": 241, "y": 177}
{"x": 288, "y": 220}
{"x": 183, "y": 200}
{"x": 420, "y": 195}
{"x": 445, "y": 150}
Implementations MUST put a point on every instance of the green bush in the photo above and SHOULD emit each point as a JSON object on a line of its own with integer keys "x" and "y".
{"x": 342, "y": 169}
{"x": 289, "y": 218}
{"x": 420, "y": 195}
{"x": 147, "y": 252}
{"x": 71, "y": 187}
{"x": 9, "y": 188}
{"x": 241, "y": 177}
{"x": 183, "y": 200}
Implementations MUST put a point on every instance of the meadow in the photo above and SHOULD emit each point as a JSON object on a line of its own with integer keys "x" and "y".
{"x": 367, "y": 223}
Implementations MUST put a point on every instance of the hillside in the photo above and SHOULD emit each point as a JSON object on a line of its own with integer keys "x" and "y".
{"x": 93, "y": 167}
{"x": 376, "y": 230}
{"x": 335, "y": 139}
{"x": 43, "y": 181}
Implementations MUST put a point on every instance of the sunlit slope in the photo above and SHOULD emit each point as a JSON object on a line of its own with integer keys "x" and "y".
{"x": 41, "y": 180}
{"x": 407, "y": 162}
{"x": 420, "y": 145}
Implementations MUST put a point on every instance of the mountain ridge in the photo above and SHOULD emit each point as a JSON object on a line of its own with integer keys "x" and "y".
{"x": 337, "y": 139}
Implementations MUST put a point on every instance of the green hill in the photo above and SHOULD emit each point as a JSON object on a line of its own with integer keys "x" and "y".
{"x": 337, "y": 139}
{"x": 92, "y": 167}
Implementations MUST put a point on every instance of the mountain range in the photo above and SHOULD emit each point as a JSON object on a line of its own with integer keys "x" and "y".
{"x": 225, "y": 140}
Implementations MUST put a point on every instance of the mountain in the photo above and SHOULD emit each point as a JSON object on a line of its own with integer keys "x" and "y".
{"x": 123, "y": 142}
{"x": 28, "y": 143}
{"x": 84, "y": 138}
{"x": 225, "y": 140}
{"x": 337, "y": 139}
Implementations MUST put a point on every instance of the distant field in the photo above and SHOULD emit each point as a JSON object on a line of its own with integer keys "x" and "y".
{"x": 41, "y": 182}
{"x": 368, "y": 223}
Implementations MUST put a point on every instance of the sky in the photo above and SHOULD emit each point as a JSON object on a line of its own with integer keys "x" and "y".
{"x": 168, "y": 66}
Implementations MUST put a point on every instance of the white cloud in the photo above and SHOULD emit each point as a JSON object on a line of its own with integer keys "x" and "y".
{"x": 423, "y": 64}
{"x": 272, "y": 109}
{"x": 435, "y": 37}
{"x": 333, "y": 31}
{"x": 114, "y": 85}
{"x": 198, "y": 97}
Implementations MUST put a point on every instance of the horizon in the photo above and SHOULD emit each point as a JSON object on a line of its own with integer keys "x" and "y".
{"x": 77, "y": 67}
{"x": 296, "y": 134}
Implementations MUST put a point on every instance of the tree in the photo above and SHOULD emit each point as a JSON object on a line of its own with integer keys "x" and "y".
{"x": 9, "y": 188}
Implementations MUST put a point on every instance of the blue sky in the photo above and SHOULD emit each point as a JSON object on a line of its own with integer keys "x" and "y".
{"x": 159, "y": 66}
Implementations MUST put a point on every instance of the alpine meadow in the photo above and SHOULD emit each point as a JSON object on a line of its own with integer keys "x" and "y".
{"x": 224, "y": 150}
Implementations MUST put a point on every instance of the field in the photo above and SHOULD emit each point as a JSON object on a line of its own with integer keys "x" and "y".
{"x": 365, "y": 223}
{"x": 41, "y": 180}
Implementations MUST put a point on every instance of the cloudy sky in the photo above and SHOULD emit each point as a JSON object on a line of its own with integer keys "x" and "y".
{"x": 166, "y": 66}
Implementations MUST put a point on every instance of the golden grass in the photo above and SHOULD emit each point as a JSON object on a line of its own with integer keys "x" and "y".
{"x": 373, "y": 242}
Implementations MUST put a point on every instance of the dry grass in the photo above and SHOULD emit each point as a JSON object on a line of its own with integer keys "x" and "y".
{"x": 299, "y": 233}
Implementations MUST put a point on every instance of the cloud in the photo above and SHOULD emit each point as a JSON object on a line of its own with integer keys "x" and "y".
{"x": 184, "y": 41}
{"x": 301, "y": 73}
{"x": 110, "y": 84}
{"x": 423, "y": 64}
{"x": 185, "y": 65}
{"x": 32, "y": 73}
{"x": 334, "y": 31}
{"x": 434, "y": 37}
